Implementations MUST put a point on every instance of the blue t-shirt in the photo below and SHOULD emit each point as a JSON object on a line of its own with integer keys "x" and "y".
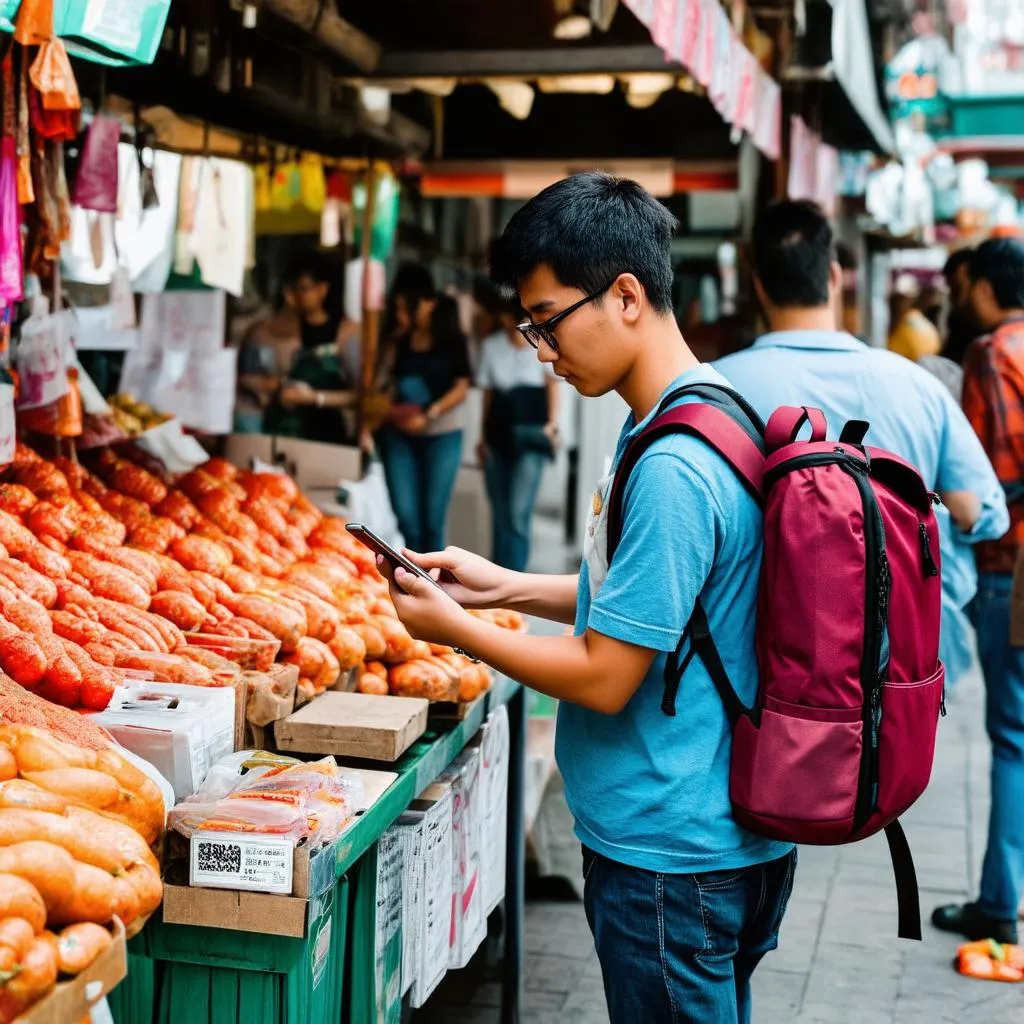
{"x": 647, "y": 789}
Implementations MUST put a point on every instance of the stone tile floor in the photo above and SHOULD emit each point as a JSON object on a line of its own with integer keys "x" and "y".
{"x": 839, "y": 961}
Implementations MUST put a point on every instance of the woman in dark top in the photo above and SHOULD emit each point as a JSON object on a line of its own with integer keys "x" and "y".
{"x": 312, "y": 386}
{"x": 421, "y": 445}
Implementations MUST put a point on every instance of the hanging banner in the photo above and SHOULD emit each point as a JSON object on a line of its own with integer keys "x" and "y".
{"x": 698, "y": 35}
{"x": 42, "y": 372}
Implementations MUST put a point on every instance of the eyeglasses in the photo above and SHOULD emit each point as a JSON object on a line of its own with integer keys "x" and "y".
{"x": 545, "y": 330}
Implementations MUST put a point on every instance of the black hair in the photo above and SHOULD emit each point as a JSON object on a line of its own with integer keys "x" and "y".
{"x": 793, "y": 250}
{"x": 414, "y": 282}
{"x": 957, "y": 259}
{"x": 589, "y": 229}
{"x": 309, "y": 264}
{"x": 1000, "y": 261}
{"x": 445, "y": 329}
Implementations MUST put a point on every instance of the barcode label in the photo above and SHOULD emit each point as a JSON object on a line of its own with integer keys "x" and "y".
{"x": 226, "y": 861}
{"x": 220, "y": 857}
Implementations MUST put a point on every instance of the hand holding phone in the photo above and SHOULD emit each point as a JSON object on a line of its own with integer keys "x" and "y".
{"x": 380, "y": 546}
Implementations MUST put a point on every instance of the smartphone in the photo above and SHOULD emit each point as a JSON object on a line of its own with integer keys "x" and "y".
{"x": 366, "y": 536}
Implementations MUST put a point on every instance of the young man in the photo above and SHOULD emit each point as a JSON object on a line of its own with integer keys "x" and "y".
{"x": 994, "y": 403}
{"x": 683, "y": 903}
{"x": 806, "y": 361}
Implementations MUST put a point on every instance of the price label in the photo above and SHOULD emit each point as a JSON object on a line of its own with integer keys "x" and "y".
{"x": 229, "y": 861}
{"x": 41, "y": 367}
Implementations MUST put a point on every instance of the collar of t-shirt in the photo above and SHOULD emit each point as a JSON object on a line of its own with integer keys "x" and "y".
{"x": 825, "y": 341}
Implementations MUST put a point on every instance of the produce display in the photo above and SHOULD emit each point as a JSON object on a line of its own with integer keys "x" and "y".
{"x": 134, "y": 417}
{"x": 110, "y": 570}
{"x": 76, "y": 827}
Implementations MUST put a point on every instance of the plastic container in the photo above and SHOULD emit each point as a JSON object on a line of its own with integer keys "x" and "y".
{"x": 249, "y": 654}
{"x": 181, "y": 730}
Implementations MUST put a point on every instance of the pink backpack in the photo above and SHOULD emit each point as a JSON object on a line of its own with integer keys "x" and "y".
{"x": 841, "y": 739}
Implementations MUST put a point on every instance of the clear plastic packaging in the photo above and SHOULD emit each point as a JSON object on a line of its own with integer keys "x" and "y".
{"x": 180, "y": 730}
{"x": 310, "y": 800}
{"x": 262, "y": 817}
{"x": 247, "y": 653}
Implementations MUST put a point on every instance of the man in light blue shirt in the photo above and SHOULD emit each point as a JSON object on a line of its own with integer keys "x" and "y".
{"x": 682, "y": 901}
{"x": 806, "y": 361}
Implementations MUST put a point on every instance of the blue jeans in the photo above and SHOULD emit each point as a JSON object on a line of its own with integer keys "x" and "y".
{"x": 421, "y": 475}
{"x": 680, "y": 949}
{"x": 512, "y": 485}
{"x": 1002, "y": 873}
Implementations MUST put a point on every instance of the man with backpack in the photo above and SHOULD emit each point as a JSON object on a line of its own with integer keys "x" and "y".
{"x": 804, "y": 359}
{"x": 994, "y": 403}
{"x": 682, "y": 900}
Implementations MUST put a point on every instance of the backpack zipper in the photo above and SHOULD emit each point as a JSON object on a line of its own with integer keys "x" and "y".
{"x": 876, "y": 612}
{"x": 930, "y": 568}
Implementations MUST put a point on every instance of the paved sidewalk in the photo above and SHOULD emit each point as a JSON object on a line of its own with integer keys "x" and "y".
{"x": 839, "y": 960}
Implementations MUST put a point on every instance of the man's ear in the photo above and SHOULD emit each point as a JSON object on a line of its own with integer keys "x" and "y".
{"x": 759, "y": 291}
{"x": 628, "y": 294}
{"x": 835, "y": 279}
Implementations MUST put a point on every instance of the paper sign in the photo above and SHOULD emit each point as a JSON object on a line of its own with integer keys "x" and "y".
{"x": 41, "y": 367}
{"x": 7, "y": 433}
{"x": 197, "y": 388}
{"x": 226, "y": 860}
{"x": 122, "y": 301}
{"x": 191, "y": 320}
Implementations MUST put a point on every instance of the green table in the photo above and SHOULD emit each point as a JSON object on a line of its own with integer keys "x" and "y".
{"x": 212, "y": 976}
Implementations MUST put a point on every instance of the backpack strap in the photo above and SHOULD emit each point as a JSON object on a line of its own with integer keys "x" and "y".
{"x": 717, "y": 428}
{"x": 702, "y": 644}
{"x": 907, "y": 898}
{"x": 786, "y": 422}
{"x": 729, "y": 425}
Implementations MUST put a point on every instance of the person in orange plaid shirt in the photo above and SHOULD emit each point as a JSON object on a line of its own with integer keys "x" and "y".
{"x": 994, "y": 403}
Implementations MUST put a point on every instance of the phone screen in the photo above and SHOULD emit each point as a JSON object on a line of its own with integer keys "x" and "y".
{"x": 377, "y": 544}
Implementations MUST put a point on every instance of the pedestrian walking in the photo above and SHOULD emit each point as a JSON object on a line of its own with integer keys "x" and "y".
{"x": 682, "y": 901}
{"x": 520, "y": 432}
{"x": 994, "y": 403}
{"x": 804, "y": 360}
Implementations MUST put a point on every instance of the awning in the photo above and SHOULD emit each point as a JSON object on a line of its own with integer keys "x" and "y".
{"x": 854, "y": 65}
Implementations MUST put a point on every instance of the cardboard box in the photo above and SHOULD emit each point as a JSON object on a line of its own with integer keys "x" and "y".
{"x": 494, "y": 754}
{"x": 241, "y": 449}
{"x": 316, "y": 464}
{"x": 427, "y": 891}
{"x": 237, "y": 910}
{"x": 469, "y": 922}
{"x": 354, "y": 725}
{"x": 388, "y": 932}
{"x": 73, "y": 1000}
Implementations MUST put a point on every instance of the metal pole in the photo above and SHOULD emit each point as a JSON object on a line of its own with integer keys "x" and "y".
{"x": 369, "y": 322}
{"x": 515, "y": 866}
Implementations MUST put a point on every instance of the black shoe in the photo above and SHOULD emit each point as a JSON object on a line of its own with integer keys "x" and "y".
{"x": 968, "y": 919}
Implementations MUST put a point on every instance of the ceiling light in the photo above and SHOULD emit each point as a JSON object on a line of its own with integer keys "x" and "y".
{"x": 573, "y": 26}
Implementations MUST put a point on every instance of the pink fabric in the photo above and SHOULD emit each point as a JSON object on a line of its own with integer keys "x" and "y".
{"x": 10, "y": 225}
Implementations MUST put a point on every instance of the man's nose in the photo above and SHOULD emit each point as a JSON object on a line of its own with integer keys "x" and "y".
{"x": 546, "y": 353}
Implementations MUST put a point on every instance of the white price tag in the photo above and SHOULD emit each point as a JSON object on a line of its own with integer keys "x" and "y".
{"x": 7, "y": 432}
{"x": 226, "y": 860}
{"x": 41, "y": 365}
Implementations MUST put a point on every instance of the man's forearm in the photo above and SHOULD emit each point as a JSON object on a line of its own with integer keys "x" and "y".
{"x": 564, "y": 667}
{"x": 547, "y": 597}
{"x": 964, "y": 507}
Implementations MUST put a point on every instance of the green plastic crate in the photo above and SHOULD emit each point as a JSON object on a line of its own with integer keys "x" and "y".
{"x": 986, "y": 115}
{"x": 247, "y": 978}
{"x": 134, "y": 1000}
